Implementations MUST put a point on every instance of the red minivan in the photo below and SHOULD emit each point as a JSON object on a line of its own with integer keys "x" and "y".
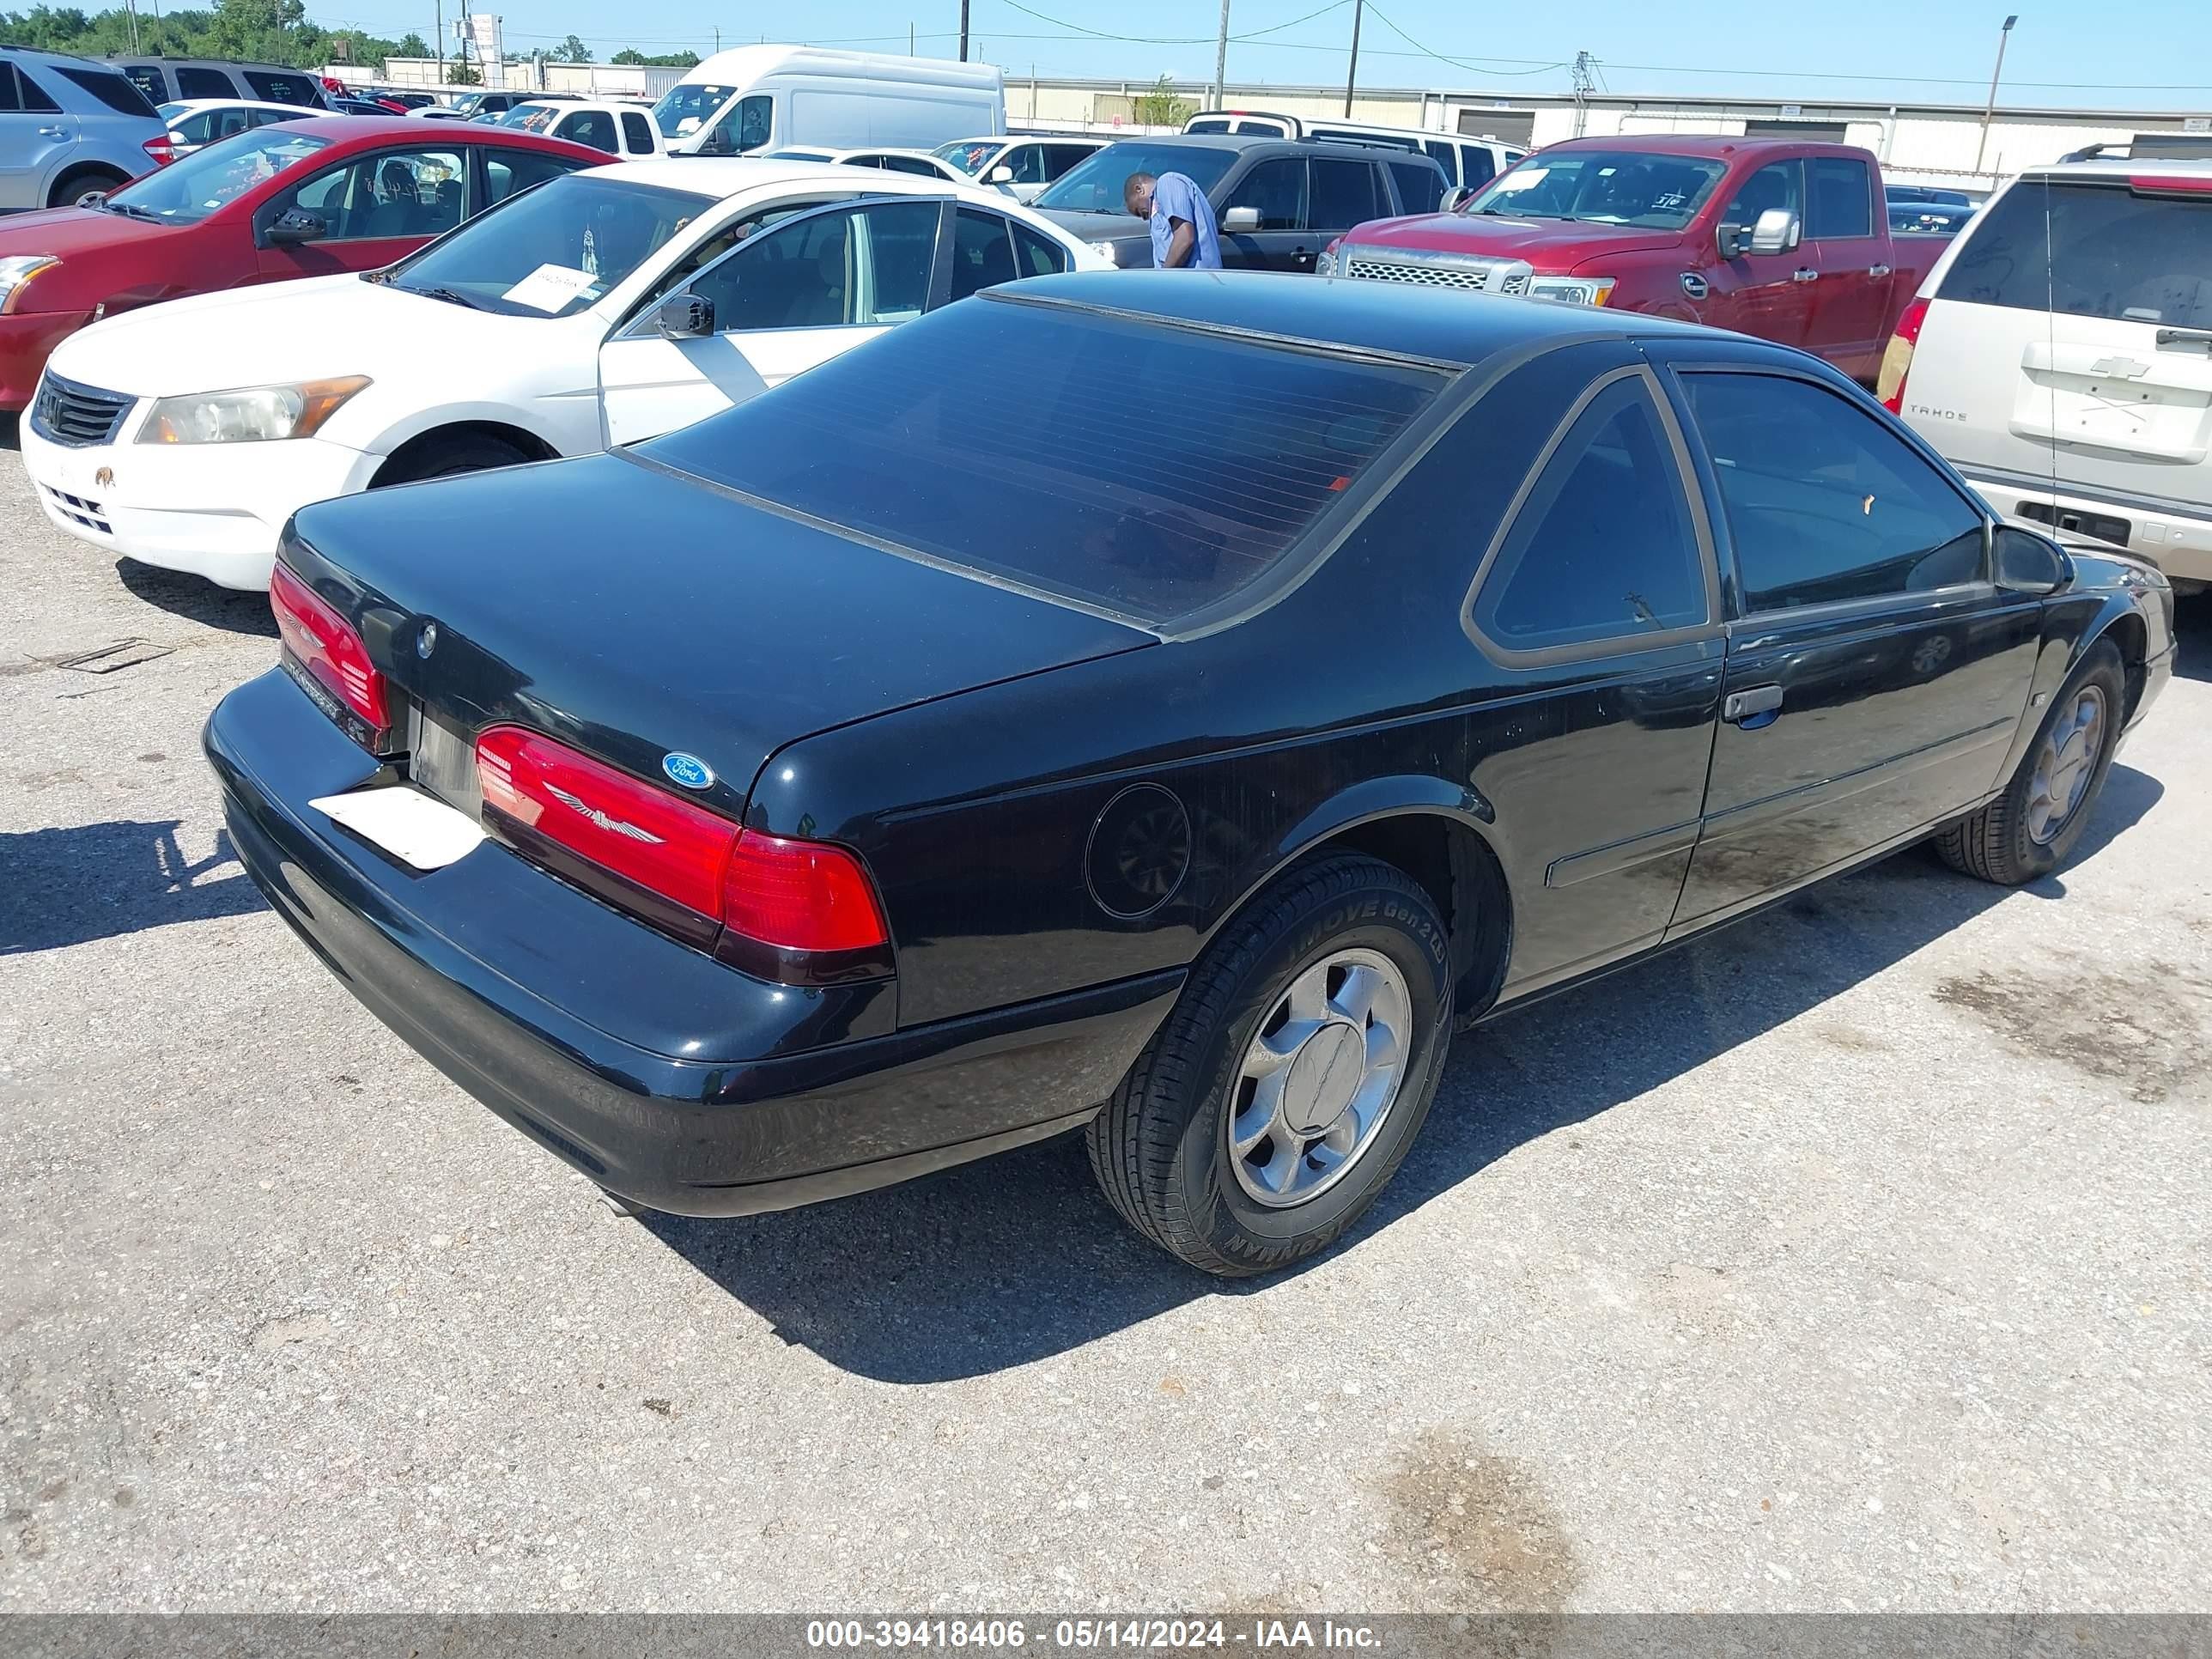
{"x": 313, "y": 198}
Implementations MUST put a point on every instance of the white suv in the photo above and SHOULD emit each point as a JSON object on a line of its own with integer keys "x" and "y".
{"x": 2060, "y": 354}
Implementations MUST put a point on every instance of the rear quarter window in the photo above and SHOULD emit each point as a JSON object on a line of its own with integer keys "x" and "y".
{"x": 195, "y": 82}
{"x": 279, "y": 88}
{"x": 1419, "y": 188}
{"x": 112, "y": 90}
{"x": 1056, "y": 447}
{"x": 2090, "y": 249}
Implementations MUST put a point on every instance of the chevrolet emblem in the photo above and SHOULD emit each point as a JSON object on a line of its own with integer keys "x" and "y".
{"x": 2119, "y": 368}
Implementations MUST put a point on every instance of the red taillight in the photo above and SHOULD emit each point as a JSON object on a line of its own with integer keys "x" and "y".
{"x": 2166, "y": 184}
{"x": 327, "y": 647}
{"x": 803, "y": 911}
{"x": 163, "y": 150}
{"x": 1897, "y": 358}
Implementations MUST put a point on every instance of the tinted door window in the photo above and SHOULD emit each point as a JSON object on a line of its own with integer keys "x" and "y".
{"x": 982, "y": 252}
{"x": 1603, "y": 548}
{"x": 1344, "y": 194}
{"x": 908, "y": 164}
{"x": 1843, "y": 198}
{"x": 1278, "y": 190}
{"x": 1824, "y": 502}
{"x": 507, "y": 171}
{"x": 1028, "y": 162}
{"x": 390, "y": 193}
{"x": 1038, "y": 256}
{"x": 747, "y": 126}
{"x": 864, "y": 267}
{"x": 279, "y": 88}
{"x": 1779, "y": 185}
{"x": 1480, "y": 169}
{"x": 1211, "y": 123}
{"x": 205, "y": 83}
{"x": 637, "y": 133}
{"x": 594, "y": 127}
{"x": 20, "y": 94}
{"x": 112, "y": 90}
{"x": 2102, "y": 250}
{"x": 150, "y": 80}
{"x": 1419, "y": 188}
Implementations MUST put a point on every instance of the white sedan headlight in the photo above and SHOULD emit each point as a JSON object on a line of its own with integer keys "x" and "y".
{"x": 1573, "y": 290}
{"x": 17, "y": 269}
{"x": 257, "y": 414}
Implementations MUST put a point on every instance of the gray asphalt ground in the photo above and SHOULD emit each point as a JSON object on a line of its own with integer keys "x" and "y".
{"x": 1855, "y": 1259}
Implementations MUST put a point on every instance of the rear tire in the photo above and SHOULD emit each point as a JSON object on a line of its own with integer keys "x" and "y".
{"x": 443, "y": 458}
{"x": 2033, "y": 827}
{"x": 82, "y": 181}
{"x": 1310, "y": 1036}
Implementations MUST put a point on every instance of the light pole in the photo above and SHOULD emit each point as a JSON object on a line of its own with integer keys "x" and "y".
{"x": 1352, "y": 75}
{"x": 1991, "y": 110}
{"x": 1221, "y": 58}
{"x": 964, "y": 31}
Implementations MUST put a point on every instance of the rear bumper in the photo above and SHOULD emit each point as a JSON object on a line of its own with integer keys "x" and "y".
{"x": 623, "y": 1052}
{"x": 26, "y": 340}
{"x": 2177, "y": 539}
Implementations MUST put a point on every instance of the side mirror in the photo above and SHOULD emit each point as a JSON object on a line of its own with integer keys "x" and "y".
{"x": 1454, "y": 200}
{"x": 2029, "y": 564}
{"x": 1002, "y": 175}
{"x": 296, "y": 225}
{"x": 685, "y": 317}
{"x": 1734, "y": 241}
{"x": 1777, "y": 231}
{"x": 1241, "y": 220}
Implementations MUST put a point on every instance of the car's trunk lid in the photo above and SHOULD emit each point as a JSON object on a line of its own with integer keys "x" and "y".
{"x": 635, "y": 615}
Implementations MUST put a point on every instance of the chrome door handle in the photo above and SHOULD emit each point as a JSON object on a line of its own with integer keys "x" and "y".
{"x": 1877, "y": 270}
{"x": 1805, "y": 274}
{"x": 53, "y": 132}
{"x": 1753, "y": 707}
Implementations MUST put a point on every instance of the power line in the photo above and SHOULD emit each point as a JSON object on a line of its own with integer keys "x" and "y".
{"x": 1458, "y": 63}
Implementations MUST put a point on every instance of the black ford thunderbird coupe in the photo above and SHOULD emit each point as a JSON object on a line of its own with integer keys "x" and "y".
{"x": 1170, "y": 704}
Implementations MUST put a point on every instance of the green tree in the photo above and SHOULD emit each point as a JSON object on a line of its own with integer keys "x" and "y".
{"x": 1161, "y": 107}
{"x": 459, "y": 74}
{"x": 410, "y": 45}
{"x": 627, "y": 55}
{"x": 574, "y": 50}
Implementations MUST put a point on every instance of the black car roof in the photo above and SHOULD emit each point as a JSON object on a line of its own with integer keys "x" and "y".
{"x": 1436, "y": 324}
{"x": 1247, "y": 143}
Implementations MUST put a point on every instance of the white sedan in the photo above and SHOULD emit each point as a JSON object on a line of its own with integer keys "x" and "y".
{"x": 603, "y": 308}
{"x": 196, "y": 122}
{"x": 920, "y": 162}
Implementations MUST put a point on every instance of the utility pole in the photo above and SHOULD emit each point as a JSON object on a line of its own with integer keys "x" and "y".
{"x": 1990, "y": 109}
{"x": 718, "y": 37}
{"x": 1583, "y": 83}
{"x": 909, "y": 37}
{"x": 964, "y": 31}
{"x": 1221, "y": 58}
{"x": 438, "y": 41}
{"x": 132, "y": 7}
{"x": 1352, "y": 75}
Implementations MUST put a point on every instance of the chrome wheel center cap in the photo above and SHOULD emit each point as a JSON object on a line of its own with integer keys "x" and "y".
{"x": 1323, "y": 1078}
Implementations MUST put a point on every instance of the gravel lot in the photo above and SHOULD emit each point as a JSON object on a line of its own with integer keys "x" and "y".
{"x": 1855, "y": 1259}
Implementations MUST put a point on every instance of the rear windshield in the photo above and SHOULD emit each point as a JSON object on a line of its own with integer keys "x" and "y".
{"x": 1146, "y": 470}
{"x": 2120, "y": 255}
{"x": 1095, "y": 186}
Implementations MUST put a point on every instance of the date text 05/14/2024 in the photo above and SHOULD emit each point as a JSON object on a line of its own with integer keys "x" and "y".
{"x": 1084, "y": 1634}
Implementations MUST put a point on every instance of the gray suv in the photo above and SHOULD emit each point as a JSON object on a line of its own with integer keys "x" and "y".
{"x": 69, "y": 127}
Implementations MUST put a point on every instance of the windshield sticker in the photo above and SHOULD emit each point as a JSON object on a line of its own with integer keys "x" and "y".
{"x": 1523, "y": 178}
{"x": 550, "y": 287}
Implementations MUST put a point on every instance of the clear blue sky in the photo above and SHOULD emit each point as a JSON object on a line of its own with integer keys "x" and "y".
{"x": 1934, "y": 51}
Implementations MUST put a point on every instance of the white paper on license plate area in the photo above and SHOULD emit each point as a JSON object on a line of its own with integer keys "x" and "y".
{"x": 405, "y": 822}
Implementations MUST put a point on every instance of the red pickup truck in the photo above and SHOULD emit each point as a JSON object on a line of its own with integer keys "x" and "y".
{"x": 1774, "y": 237}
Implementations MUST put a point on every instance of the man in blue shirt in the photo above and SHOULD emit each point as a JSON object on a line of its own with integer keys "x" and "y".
{"x": 1184, "y": 235}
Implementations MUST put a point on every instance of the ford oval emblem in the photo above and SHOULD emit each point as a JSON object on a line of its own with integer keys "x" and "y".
{"x": 687, "y": 769}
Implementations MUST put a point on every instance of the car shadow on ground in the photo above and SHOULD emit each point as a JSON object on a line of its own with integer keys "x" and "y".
{"x": 1017, "y": 1258}
{"x": 11, "y": 431}
{"x": 100, "y": 880}
{"x": 197, "y": 599}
